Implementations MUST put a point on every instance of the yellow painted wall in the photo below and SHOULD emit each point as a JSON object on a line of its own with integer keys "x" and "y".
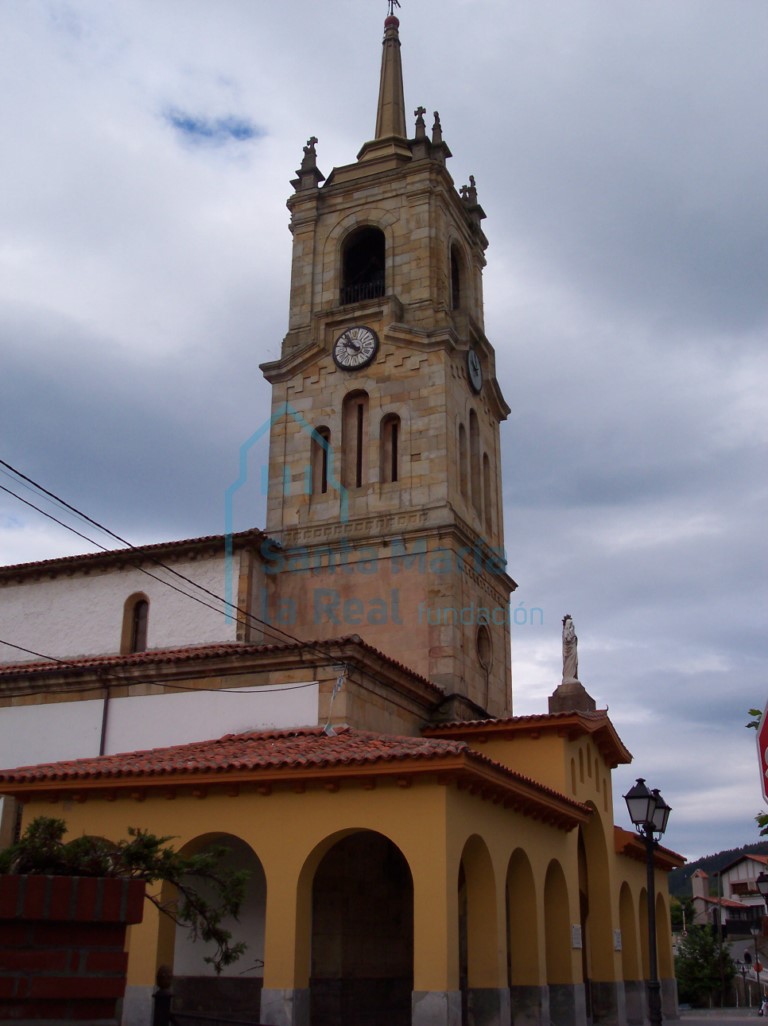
{"x": 436, "y": 827}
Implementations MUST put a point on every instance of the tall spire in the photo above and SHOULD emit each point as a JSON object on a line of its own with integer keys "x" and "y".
{"x": 390, "y": 114}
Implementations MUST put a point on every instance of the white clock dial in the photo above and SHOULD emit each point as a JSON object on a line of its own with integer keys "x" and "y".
{"x": 355, "y": 348}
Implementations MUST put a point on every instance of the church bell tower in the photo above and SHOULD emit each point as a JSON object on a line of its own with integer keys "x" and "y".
{"x": 384, "y": 485}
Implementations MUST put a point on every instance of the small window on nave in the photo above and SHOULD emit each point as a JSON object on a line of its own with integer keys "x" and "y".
{"x": 363, "y": 264}
{"x": 135, "y": 624}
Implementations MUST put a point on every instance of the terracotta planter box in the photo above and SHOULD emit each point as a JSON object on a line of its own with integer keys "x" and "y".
{"x": 62, "y": 947}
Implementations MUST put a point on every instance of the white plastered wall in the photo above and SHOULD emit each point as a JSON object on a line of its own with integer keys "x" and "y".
{"x": 82, "y": 614}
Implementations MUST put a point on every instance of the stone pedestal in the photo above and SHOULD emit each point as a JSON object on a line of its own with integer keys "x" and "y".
{"x": 288, "y": 1007}
{"x": 571, "y": 696}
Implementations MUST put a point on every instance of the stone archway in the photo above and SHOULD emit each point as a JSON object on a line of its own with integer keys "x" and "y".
{"x": 528, "y": 999}
{"x": 603, "y": 1000}
{"x": 566, "y": 996}
{"x": 484, "y": 999}
{"x": 634, "y": 988}
{"x": 643, "y": 918}
{"x": 665, "y": 959}
{"x": 362, "y": 934}
{"x": 196, "y": 986}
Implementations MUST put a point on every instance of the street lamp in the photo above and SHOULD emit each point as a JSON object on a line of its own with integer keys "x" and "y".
{"x": 650, "y": 815}
{"x": 743, "y": 969}
{"x": 755, "y": 931}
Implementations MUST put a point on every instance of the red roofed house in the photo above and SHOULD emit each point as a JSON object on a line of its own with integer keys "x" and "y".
{"x": 739, "y": 906}
{"x": 332, "y": 698}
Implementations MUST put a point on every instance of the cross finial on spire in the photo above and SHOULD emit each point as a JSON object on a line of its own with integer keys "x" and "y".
{"x": 392, "y": 5}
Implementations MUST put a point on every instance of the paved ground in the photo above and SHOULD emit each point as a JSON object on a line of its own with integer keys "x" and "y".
{"x": 720, "y": 1016}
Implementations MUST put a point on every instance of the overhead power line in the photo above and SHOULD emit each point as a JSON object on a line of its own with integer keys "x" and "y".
{"x": 277, "y": 633}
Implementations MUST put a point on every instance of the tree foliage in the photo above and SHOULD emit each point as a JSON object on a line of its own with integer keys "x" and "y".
{"x": 762, "y": 817}
{"x": 42, "y": 850}
{"x": 703, "y": 968}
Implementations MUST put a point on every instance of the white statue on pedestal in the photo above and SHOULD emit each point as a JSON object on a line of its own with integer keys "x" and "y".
{"x": 570, "y": 651}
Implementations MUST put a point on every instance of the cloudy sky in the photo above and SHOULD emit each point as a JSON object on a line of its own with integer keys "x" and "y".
{"x": 621, "y": 155}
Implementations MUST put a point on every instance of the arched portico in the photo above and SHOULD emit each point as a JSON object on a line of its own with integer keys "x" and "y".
{"x": 665, "y": 959}
{"x": 634, "y": 989}
{"x": 485, "y": 995}
{"x": 362, "y": 934}
{"x": 566, "y": 989}
{"x": 196, "y": 984}
{"x": 643, "y": 918}
{"x": 604, "y": 991}
{"x": 529, "y": 999}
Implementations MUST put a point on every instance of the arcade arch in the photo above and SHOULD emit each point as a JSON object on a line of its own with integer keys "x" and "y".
{"x": 361, "y": 933}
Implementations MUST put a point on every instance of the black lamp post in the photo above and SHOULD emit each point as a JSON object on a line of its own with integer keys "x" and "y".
{"x": 650, "y": 814}
{"x": 755, "y": 931}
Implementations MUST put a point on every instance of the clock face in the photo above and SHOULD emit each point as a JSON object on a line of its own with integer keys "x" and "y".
{"x": 474, "y": 370}
{"x": 355, "y": 348}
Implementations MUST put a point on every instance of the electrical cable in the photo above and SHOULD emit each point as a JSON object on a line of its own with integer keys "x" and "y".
{"x": 278, "y": 633}
{"x": 126, "y": 682}
{"x": 281, "y": 635}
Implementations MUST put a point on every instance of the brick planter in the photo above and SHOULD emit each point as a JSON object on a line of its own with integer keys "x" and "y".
{"x": 62, "y": 947}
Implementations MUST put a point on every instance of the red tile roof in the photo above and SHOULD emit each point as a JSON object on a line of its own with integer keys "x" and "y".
{"x": 576, "y": 723}
{"x": 306, "y": 752}
{"x": 200, "y": 653}
{"x": 305, "y": 746}
{"x": 69, "y": 564}
{"x": 747, "y": 857}
{"x": 722, "y": 902}
{"x": 629, "y": 843}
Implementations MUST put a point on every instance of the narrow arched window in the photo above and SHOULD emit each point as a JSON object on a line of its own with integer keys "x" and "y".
{"x": 487, "y": 491}
{"x": 354, "y": 440}
{"x": 463, "y": 460}
{"x": 456, "y": 276}
{"x": 474, "y": 462}
{"x": 363, "y": 265}
{"x": 135, "y": 624}
{"x": 320, "y": 450}
{"x": 389, "y": 470}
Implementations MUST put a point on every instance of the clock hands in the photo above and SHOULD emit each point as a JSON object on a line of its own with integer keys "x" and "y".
{"x": 355, "y": 347}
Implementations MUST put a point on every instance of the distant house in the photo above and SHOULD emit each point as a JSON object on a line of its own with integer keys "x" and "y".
{"x": 737, "y": 904}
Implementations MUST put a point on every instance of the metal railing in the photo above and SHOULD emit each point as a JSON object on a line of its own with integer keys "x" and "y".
{"x": 364, "y": 290}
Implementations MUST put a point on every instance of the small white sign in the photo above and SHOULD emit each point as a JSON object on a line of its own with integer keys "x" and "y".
{"x": 576, "y": 935}
{"x": 617, "y": 940}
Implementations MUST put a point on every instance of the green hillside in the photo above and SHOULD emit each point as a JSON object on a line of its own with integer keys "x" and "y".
{"x": 679, "y": 879}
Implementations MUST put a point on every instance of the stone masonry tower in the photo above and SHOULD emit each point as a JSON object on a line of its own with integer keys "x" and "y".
{"x": 385, "y": 486}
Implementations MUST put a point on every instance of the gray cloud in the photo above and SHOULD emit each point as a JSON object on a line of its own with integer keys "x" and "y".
{"x": 621, "y": 159}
